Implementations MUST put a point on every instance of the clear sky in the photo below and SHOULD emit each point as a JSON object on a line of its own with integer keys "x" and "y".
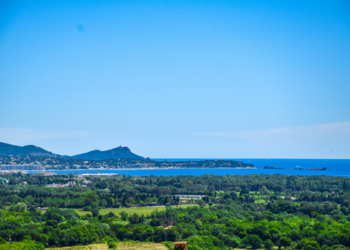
{"x": 177, "y": 79}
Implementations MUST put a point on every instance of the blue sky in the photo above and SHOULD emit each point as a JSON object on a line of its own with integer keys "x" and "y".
{"x": 177, "y": 79}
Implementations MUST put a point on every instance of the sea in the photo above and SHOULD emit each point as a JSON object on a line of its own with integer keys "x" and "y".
{"x": 335, "y": 167}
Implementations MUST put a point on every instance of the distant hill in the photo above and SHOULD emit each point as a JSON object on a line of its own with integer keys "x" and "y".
{"x": 29, "y": 150}
{"x": 34, "y": 151}
{"x": 116, "y": 153}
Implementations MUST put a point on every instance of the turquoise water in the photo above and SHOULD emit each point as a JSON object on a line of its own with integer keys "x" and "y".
{"x": 334, "y": 168}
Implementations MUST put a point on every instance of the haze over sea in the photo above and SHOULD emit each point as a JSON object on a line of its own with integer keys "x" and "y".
{"x": 335, "y": 167}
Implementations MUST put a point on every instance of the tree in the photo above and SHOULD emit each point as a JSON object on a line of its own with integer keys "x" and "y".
{"x": 306, "y": 244}
{"x": 268, "y": 244}
{"x": 313, "y": 214}
{"x": 264, "y": 190}
{"x": 201, "y": 203}
{"x": 252, "y": 240}
{"x": 294, "y": 236}
{"x": 123, "y": 215}
{"x": 20, "y": 207}
{"x": 102, "y": 185}
{"x": 85, "y": 234}
{"x": 110, "y": 201}
{"x": 12, "y": 182}
{"x": 204, "y": 242}
{"x": 87, "y": 208}
{"x": 90, "y": 197}
{"x": 94, "y": 212}
{"x": 312, "y": 245}
{"x": 103, "y": 203}
{"x": 285, "y": 242}
{"x": 29, "y": 199}
{"x": 110, "y": 215}
{"x": 52, "y": 223}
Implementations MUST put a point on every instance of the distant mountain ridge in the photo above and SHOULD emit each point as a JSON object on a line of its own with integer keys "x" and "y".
{"x": 34, "y": 151}
{"x": 119, "y": 152}
{"x": 29, "y": 150}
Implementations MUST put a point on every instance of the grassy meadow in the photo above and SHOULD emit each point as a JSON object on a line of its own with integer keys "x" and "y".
{"x": 131, "y": 210}
{"x": 140, "y": 246}
{"x": 88, "y": 247}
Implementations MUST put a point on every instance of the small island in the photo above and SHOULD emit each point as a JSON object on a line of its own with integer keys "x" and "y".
{"x": 270, "y": 167}
{"x": 318, "y": 169}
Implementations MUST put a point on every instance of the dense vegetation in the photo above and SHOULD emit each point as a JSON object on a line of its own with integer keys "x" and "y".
{"x": 299, "y": 212}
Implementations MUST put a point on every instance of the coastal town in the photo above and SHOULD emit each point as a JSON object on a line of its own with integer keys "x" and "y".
{"x": 27, "y": 163}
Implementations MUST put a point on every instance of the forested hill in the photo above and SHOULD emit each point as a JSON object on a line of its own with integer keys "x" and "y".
{"x": 34, "y": 151}
{"x": 116, "y": 153}
{"x": 29, "y": 150}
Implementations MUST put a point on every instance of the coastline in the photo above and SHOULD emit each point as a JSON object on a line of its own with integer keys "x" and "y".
{"x": 133, "y": 169}
{"x": 104, "y": 169}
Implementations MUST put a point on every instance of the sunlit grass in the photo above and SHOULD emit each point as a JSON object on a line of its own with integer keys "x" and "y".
{"x": 140, "y": 246}
{"x": 260, "y": 201}
{"x": 88, "y": 247}
{"x": 131, "y": 210}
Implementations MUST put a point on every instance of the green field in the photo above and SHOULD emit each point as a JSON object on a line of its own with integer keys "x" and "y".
{"x": 140, "y": 246}
{"x": 261, "y": 201}
{"x": 87, "y": 247}
{"x": 131, "y": 210}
